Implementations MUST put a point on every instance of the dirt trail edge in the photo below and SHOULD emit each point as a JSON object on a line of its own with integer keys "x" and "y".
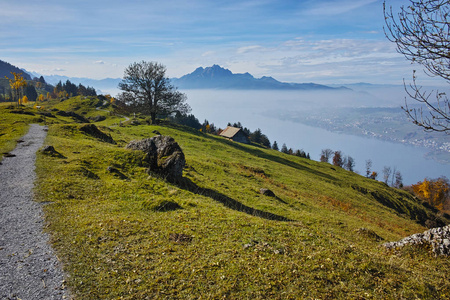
{"x": 29, "y": 268}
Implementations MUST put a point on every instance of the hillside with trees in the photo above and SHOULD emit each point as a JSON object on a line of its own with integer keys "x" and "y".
{"x": 218, "y": 232}
{"x": 7, "y": 68}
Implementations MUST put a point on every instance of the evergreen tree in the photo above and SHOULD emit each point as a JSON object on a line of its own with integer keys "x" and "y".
{"x": 275, "y": 146}
{"x": 70, "y": 88}
{"x": 256, "y": 136}
{"x": 30, "y": 92}
{"x": 284, "y": 149}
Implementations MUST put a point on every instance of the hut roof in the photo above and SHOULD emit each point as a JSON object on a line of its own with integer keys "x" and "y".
{"x": 230, "y": 132}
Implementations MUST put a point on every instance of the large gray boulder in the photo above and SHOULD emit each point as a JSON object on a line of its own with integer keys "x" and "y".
{"x": 164, "y": 156}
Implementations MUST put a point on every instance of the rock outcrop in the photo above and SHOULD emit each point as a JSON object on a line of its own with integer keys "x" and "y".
{"x": 164, "y": 156}
{"x": 74, "y": 115}
{"x": 437, "y": 238}
{"x": 50, "y": 150}
{"x": 92, "y": 130}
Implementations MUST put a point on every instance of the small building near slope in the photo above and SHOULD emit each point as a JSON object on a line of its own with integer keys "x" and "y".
{"x": 235, "y": 134}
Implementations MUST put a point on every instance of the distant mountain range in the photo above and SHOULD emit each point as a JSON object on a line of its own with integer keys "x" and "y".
{"x": 216, "y": 77}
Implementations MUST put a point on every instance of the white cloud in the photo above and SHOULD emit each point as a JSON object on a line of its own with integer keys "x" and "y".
{"x": 328, "y": 8}
{"x": 247, "y": 49}
{"x": 208, "y": 53}
{"x": 99, "y": 62}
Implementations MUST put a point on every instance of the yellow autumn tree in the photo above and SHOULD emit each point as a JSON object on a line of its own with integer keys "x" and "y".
{"x": 433, "y": 191}
{"x": 40, "y": 98}
{"x": 24, "y": 100}
{"x": 110, "y": 99}
{"x": 17, "y": 84}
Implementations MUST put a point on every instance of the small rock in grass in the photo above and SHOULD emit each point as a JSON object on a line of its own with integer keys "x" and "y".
{"x": 180, "y": 238}
{"x": 267, "y": 192}
{"x": 50, "y": 150}
{"x": 116, "y": 172}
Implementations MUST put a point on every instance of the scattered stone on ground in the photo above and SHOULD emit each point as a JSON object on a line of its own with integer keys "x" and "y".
{"x": 263, "y": 247}
{"x": 437, "y": 238}
{"x": 164, "y": 156}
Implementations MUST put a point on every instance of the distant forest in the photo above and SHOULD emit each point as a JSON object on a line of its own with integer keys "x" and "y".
{"x": 37, "y": 88}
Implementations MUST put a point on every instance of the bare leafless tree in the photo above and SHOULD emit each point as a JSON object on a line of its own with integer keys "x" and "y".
{"x": 422, "y": 32}
{"x": 325, "y": 155}
{"x": 368, "y": 167}
{"x": 386, "y": 174}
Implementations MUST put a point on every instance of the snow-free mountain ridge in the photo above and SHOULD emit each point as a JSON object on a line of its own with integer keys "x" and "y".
{"x": 216, "y": 77}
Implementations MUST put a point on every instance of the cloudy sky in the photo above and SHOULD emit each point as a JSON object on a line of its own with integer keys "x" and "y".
{"x": 329, "y": 41}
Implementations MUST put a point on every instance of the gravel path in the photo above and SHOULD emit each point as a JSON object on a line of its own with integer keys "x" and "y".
{"x": 29, "y": 268}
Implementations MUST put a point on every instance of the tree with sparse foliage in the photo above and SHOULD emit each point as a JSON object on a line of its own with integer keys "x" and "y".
{"x": 337, "y": 159}
{"x": 398, "y": 180}
{"x": 421, "y": 32}
{"x": 349, "y": 163}
{"x": 147, "y": 89}
{"x": 17, "y": 85}
{"x": 368, "y": 167}
{"x": 325, "y": 155}
{"x": 386, "y": 174}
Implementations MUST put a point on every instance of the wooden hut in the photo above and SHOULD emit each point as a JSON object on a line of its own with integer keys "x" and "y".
{"x": 235, "y": 134}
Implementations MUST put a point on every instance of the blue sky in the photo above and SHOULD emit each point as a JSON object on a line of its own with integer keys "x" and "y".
{"x": 330, "y": 41}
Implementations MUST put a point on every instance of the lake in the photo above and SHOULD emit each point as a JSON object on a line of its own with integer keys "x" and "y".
{"x": 260, "y": 109}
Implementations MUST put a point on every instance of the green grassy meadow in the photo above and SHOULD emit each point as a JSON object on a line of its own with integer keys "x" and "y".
{"x": 117, "y": 240}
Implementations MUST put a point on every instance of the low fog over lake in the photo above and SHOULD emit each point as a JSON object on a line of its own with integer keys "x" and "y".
{"x": 280, "y": 114}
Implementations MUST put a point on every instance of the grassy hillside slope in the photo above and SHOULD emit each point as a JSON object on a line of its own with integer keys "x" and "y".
{"x": 319, "y": 237}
